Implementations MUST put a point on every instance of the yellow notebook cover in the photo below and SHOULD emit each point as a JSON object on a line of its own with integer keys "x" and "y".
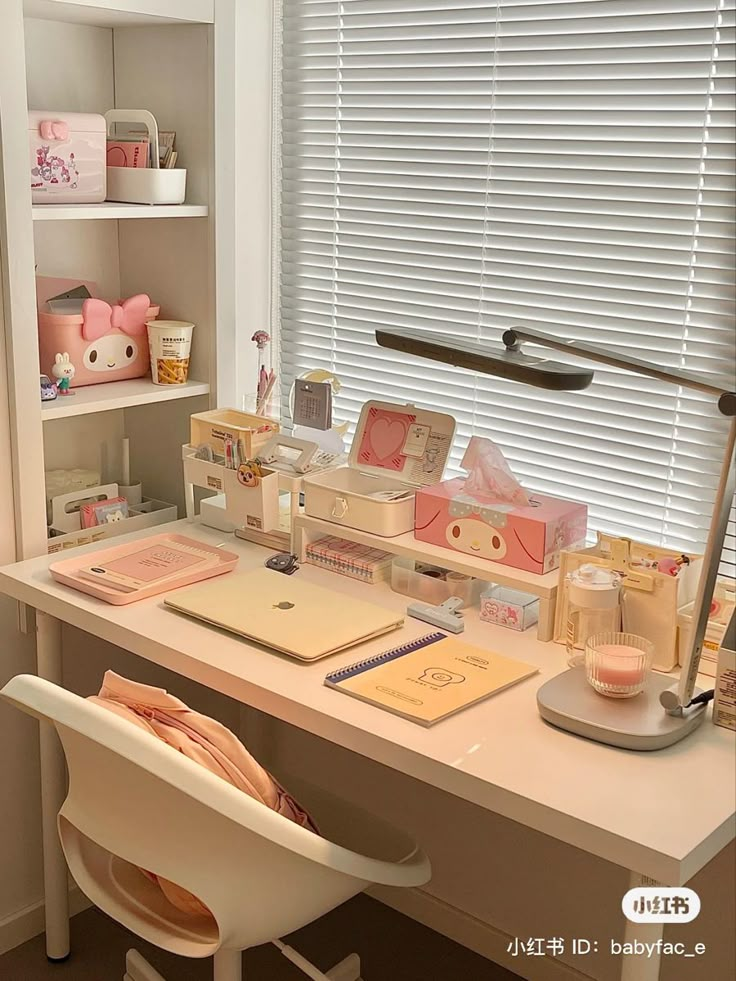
{"x": 429, "y": 679}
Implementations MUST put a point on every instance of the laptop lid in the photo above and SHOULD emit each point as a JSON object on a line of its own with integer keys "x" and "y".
{"x": 285, "y": 612}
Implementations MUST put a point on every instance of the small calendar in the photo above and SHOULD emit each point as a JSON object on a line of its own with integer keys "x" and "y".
{"x": 312, "y": 404}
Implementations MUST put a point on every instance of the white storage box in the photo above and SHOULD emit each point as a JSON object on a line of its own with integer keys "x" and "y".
{"x": 396, "y": 449}
{"x": 147, "y": 514}
{"x": 67, "y": 157}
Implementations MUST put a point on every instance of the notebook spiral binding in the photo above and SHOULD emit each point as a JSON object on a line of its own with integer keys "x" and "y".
{"x": 384, "y": 657}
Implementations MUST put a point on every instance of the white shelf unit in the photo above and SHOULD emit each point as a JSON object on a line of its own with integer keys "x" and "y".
{"x": 122, "y": 13}
{"x": 308, "y": 529}
{"x": 112, "y": 210}
{"x": 118, "y": 395}
{"x": 176, "y": 58}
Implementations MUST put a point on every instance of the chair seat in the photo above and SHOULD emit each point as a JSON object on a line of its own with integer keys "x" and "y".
{"x": 122, "y": 891}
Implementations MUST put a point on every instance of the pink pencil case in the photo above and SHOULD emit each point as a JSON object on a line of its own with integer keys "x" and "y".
{"x": 67, "y": 571}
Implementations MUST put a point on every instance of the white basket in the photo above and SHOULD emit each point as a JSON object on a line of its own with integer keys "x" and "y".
{"x": 146, "y": 185}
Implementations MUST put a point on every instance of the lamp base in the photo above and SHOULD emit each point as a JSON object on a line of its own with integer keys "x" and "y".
{"x": 568, "y": 702}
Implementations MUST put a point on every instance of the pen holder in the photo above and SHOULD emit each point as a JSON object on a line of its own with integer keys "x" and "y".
{"x": 133, "y": 493}
{"x": 251, "y": 501}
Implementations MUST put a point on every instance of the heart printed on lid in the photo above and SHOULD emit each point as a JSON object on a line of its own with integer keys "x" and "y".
{"x": 387, "y": 437}
{"x": 383, "y": 437}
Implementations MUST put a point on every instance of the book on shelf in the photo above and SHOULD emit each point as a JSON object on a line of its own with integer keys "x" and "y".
{"x": 362, "y": 562}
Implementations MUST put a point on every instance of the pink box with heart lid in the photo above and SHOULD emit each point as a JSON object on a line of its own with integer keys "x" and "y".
{"x": 396, "y": 450}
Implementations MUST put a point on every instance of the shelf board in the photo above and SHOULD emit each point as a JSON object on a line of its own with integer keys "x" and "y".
{"x": 122, "y": 13}
{"x": 408, "y": 546}
{"x": 118, "y": 395}
{"x": 113, "y": 210}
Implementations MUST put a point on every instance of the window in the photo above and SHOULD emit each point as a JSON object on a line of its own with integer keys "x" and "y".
{"x": 465, "y": 167}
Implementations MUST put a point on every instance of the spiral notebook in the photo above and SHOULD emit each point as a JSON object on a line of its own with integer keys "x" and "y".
{"x": 429, "y": 679}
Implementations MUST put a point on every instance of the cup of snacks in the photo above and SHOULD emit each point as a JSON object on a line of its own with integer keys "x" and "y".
{"x": 170, "y": 343}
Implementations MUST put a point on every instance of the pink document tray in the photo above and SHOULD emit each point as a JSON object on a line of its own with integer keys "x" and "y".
{"x": 65, "y": 571}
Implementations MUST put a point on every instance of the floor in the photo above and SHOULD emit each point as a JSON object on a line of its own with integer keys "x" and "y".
{"x": 392, "y": 948}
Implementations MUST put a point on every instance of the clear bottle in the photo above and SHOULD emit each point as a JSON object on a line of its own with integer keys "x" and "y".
{"x": 593, "y": 606}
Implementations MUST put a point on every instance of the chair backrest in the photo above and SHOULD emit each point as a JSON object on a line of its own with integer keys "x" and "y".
{"x": 134, "y": 802}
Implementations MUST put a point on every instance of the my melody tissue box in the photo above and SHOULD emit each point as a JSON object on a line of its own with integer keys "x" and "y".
{"x": 528, "y": 536}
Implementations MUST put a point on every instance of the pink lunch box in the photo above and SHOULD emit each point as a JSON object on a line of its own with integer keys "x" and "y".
{"x": 67, "y": 157}
{"x": 110, "y": 344}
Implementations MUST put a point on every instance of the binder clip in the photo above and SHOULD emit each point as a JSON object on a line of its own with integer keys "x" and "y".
{"x": 447, "y": 615}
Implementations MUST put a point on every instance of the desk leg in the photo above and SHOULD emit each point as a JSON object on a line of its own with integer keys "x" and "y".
{"x": 546, "y": 624}
{"x": 53, "y": 792}
{"x": 639, "y": 967}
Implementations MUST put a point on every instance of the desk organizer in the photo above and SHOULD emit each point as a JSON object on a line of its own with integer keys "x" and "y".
{"x": 213, "y": 427}
{"x": 433, "y": 584}
{"x": 67, "y": 157}
{"x": 144, "y": 185}
{"x": 147, "y": 514}
{"x": 248, "y": 504}
{"x": 721, "y": 614}
{"x": 396, "y": 450}
{"x": 509, "y": 607}
{"x": 106, "y": 343}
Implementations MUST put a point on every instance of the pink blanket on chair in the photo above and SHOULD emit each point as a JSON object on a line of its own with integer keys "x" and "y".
{"x": 203, "y": 740}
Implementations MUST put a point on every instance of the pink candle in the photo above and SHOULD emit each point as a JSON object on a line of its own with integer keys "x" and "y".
{"x": 619, "y": 665}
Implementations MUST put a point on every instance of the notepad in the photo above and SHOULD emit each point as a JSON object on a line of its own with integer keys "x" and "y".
{"x": 429, "y": 679}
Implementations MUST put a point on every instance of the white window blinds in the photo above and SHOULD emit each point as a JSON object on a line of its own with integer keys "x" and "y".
{"x": 467, "y": 166}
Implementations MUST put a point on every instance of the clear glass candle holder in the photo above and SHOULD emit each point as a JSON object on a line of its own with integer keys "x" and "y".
{"x": 617, "y": 664}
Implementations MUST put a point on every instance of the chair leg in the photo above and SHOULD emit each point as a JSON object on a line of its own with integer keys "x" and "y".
{"x": 347, "y": 970}
{"x": 228, "y": 965}
{"x": 138, "y": 969}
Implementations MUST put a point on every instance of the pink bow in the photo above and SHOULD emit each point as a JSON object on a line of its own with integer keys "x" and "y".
{"x": 54, "y": 129}
{"x": 100, "y": 318}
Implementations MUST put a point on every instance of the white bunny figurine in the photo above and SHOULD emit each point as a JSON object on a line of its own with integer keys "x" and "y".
{"x": 63, "y": 370}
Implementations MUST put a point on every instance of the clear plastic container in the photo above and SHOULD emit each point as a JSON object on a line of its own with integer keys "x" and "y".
{"x": 594, "y": 606}
{"x": 432, "y": 584}
{"x": 617, "y": 664}
{"x": 509, "y": 607}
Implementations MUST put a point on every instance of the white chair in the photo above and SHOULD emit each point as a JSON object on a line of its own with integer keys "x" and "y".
{"x": 134, "y": 803}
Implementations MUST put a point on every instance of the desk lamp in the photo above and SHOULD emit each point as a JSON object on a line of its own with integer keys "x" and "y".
{"x": 663, "y": 714}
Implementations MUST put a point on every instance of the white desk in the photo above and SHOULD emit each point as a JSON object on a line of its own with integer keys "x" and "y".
{"x": 663, "y": 815}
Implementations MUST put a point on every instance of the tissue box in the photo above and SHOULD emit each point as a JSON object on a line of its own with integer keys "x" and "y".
{"x": 525, "y": 537}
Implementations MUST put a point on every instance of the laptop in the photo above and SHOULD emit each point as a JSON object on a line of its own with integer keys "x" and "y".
{"x": 285, "y": 612}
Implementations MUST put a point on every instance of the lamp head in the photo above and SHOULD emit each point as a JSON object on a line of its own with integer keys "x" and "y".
{"x": 511, "y": 363}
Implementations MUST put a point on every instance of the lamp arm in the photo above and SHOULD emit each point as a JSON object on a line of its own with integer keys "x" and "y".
{"x": 726, "y": 399}
{"x": 677, "y": 698}
{"x": 706, "y": 585}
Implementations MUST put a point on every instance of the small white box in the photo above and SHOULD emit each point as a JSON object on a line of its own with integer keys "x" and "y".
{"x": 724, "y": 703}
{"x": 396, "y": 450}
{"x": 722, "y": 610}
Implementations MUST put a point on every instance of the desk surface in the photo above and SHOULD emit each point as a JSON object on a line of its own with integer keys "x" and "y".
{"x": 664, "y": 814}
